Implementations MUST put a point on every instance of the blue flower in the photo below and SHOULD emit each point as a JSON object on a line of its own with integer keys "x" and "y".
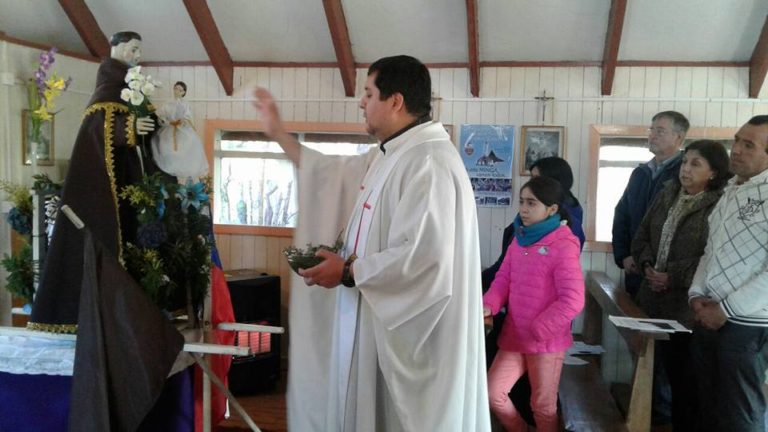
{"x": 20, "y": 222}
{"x": 192, "y": 195}
{"x": 160, "y": 206}
{"x": 151, "y": 235}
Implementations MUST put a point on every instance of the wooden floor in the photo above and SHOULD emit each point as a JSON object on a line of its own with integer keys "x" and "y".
{"x": 266, "y": 409}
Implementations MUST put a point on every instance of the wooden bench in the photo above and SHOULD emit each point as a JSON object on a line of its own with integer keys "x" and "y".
{"x": 587, "y": 402}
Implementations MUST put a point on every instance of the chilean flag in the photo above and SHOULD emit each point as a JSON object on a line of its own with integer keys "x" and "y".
{"x": 221, "y": 311}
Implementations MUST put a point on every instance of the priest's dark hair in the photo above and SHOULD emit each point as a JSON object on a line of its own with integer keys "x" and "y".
{"x": 549, "y": 192}
{"x": 122, "y": 37}
{"x": 558, "y": 169}
{"x": 405, "y": 75}
{"x": 181, "y": 84}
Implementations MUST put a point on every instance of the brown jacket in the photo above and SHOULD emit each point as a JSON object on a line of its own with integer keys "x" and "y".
{"x": 686, "y": 249}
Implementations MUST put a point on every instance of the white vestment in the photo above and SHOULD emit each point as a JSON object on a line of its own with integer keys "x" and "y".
{"x": 404, "y": 349}
{"x": 176, "y": 147}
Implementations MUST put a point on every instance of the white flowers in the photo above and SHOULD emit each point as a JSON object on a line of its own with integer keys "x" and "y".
{"x": 139, "y": 87}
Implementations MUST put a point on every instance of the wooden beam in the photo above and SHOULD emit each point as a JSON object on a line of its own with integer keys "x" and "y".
{"x": 681, "y": 63}
{"x": 26, "y": 43}
{"x": 539, "y": 64}
{"x": 474, "y": 58}
{"x": 87, "y": 27}
{"x": 337, "y": 24}
{"x": 758, "y": 64}
{"x": 612, "y": 42}
{"x": 212, "y": 42}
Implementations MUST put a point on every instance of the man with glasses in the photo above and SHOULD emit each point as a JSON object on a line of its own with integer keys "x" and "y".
{"x": 665, "y": 137}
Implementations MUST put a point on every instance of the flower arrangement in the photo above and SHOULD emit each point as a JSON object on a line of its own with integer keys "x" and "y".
{"x": 171, "y": 258}
{"x": 22, "y": 270}
{"x": 20, "y": 216}
{"x": 139, "y": 89}
{"x": 42, "y": 91}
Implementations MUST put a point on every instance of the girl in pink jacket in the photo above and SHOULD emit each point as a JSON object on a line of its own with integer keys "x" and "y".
{"x": 541, "y": 284}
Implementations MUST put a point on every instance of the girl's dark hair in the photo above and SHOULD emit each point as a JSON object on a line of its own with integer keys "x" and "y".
{"x": 717, "y": 158}
{"x": 549, "y": 192}
{"x": 558, "y": 169}
{"x": 183, "y": 85}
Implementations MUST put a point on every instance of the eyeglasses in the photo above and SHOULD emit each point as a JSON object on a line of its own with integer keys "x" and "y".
{"x": 658, "y": 131}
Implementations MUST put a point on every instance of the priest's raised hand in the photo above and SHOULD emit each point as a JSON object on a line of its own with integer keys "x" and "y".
{"x": 326, "y": 274}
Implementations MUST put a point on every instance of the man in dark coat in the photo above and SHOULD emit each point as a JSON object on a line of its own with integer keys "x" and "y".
{"x": 665, "y": 137}
{"x": 109, "y": 153}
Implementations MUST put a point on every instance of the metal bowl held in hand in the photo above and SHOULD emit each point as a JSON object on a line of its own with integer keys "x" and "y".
{"x": 306, "y": 258}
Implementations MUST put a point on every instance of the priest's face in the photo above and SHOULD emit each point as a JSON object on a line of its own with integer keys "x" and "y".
{"x": 376, "y": 112}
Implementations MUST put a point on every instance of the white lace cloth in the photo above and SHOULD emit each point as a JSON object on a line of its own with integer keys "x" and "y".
{"x": 38, "y": 354}
{"x": 29, "y": 352}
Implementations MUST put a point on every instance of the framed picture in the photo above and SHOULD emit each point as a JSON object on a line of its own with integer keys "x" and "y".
{"x": 538, "y": 142}
{"x": 43, "y": 144}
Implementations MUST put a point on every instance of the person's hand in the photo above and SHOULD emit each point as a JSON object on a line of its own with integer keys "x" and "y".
{"x": 629, "y": 265}
{"x": 487, "y": 319}
{"x": 697, "y": 303}
{"x": 144, "y": 125}
{"x": 658, "y": 280}
{"x": 326, "y": 274}
{"x": 710, "y": 315}
{"x": 268, "y": 113}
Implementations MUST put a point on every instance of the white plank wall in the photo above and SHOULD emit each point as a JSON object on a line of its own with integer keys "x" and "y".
{"x": 708, "y": 96}
{"x": 711, "y": 96}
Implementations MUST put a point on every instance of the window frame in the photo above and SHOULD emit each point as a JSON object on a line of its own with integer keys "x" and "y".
{"x": 212, "y": 132}
{"x": 596, "y": 133}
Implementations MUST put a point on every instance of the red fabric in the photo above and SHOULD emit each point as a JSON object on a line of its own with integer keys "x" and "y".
{"x": 221, "y": 311}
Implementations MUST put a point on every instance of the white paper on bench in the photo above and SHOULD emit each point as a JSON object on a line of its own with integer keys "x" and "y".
{"x": 649, "y": 324}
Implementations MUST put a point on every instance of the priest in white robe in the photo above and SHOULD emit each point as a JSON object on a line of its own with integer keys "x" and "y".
{"x": 397, "y": 343}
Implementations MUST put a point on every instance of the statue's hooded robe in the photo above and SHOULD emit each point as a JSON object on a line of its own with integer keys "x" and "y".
{"x": 104, "y": 159}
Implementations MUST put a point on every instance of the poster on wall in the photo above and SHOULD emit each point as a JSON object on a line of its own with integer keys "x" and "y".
{"x": 488, "y": 153}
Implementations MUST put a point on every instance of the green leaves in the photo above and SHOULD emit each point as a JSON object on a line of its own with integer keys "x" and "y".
{"x": 21, "y": 273}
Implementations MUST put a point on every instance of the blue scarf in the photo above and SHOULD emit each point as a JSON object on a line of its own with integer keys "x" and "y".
{"x": 528, "y": 235}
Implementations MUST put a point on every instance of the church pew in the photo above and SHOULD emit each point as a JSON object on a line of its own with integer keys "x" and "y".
{"x": 587, "y": 401}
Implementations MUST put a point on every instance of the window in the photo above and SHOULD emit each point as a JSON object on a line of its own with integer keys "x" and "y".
{"x": 617, "y": 158}
{"x": 614, "y": 152}
{"x": 255, "y": 184}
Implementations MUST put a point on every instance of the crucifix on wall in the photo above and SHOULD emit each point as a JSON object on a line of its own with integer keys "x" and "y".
{"x": 543, "y": 102}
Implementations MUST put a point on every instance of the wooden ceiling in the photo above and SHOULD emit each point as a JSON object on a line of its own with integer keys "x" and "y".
{"x": 349, "y": 34}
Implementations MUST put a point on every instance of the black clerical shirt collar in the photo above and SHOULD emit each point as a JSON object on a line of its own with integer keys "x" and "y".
{"x": 423, "y": 119}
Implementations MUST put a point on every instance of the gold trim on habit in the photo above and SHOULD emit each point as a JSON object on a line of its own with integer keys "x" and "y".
{"x": 52, "y": 328}
{"x": 130, "y": 131}
{"x": 109, "y": 158}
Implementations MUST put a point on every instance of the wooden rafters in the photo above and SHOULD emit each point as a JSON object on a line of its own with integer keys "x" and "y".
{"x": 87, "y": 27}
{"x": 758, "y": 64}
{"x": 337, "y": 24}
{"x": 212, "y": 42}
{"x": 474, "y": 58}
{"x": 612, "y": 42}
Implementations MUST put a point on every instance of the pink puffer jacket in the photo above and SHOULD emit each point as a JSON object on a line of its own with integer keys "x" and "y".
{"x": 543, "y": 288}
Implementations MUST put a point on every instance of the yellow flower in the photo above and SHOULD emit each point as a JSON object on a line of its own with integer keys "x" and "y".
{"x": 42, "y": 113}
{"x": 56, "y": 83}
